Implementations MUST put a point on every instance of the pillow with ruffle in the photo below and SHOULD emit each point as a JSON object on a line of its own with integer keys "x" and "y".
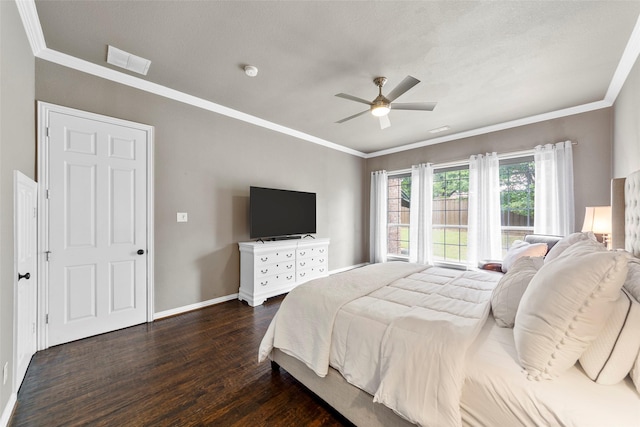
{"x": 565, "y": 306}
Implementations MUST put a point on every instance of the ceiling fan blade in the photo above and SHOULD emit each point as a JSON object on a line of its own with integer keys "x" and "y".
{"x": 404, "y": 86}
{"x": 353, "y": 117}
{"x": 421, "y": 106}
{"x": 353, "y": 98}
{"x": 384, "y": 122}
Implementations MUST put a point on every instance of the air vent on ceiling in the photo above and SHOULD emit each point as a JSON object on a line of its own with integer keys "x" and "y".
{"x": 125, "y": 60}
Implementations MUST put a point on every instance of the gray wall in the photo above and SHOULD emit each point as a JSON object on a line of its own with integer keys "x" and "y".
{"x": 591, "y": 157}
{"x": 204, "y": 165}
{"x": 626, "y": 129}
{"x": 17, "y": 151}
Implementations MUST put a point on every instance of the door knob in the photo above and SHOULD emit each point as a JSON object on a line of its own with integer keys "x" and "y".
{"x": 140, "y": 251}
{"x": 24, "y": 276}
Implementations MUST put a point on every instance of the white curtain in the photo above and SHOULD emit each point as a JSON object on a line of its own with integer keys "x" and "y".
{"x": 554, "y": 208}
{"x": 378, "y": 221}
{"x": 421, "y": 213}
{"x": 484, "y": 232}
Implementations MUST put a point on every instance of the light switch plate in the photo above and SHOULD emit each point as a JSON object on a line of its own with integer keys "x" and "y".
{"x": 182, "y": 217}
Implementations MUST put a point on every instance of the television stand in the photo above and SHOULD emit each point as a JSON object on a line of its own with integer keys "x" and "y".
{"x": 273, "y": 268}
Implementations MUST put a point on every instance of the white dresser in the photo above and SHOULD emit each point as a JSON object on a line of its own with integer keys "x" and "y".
{"x": 273, "y": 268}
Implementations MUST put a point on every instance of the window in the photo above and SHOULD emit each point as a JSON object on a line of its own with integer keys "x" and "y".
{"x": 450, "y": 219}
{"x": 517, "y": 191}
{"x": 399, "y": 202}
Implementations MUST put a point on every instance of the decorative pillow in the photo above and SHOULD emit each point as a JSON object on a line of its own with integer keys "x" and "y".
{"x": 635, "y": 373}
{"x": 632, "y": 282}
{"x": 567, "y": 241}
{"x": 519, "y": 249}
{"x": 612, "y": 355}
{"x": 565, "y": 306}
{"x": 507, "y": 294}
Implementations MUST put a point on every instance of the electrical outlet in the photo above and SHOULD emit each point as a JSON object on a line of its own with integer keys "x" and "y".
{"x": 182, "y": 217}
{"x": 5, "y": 372}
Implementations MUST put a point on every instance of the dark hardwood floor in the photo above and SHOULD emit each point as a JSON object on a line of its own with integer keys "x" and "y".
{"x": 195, "y": 369}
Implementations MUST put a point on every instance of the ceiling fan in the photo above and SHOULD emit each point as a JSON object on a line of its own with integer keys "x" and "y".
{"x": 381, "y": 106}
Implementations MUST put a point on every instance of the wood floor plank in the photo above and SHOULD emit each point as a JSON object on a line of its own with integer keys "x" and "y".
{"x": 195, "y": 369}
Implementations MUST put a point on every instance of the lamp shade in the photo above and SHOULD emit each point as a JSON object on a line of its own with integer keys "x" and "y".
{"x": 597, "y": 219}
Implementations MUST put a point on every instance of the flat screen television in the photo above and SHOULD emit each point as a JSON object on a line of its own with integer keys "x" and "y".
{"x": 275, "y": 213}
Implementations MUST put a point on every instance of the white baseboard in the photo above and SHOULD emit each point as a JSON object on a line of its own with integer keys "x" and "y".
{"x": 191, "y": 307}
{"x": 351, "y": 267}
{"x": 203, "y": 304}
{"x": 8, "y": 410}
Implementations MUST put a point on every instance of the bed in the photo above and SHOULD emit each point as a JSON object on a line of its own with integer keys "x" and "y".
{"x": 420, "y": 345}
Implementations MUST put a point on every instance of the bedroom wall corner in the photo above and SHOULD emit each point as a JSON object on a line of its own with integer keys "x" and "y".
{"x": 17, "y": 151}
{"x": 626, "y": 126}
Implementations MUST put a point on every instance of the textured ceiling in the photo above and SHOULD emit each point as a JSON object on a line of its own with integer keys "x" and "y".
{"x": 485, "y": 63}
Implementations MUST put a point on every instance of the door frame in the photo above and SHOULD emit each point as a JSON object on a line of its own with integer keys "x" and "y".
{"x": 44, "y": 109}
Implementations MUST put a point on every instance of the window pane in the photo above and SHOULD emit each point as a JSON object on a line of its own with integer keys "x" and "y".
{"x": 398, "y": 208}
{"x": 517, "y": 192}
{"x": 450, "y": 192}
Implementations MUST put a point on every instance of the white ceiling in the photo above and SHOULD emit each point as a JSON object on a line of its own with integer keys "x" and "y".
{"x": 486, "y": 63}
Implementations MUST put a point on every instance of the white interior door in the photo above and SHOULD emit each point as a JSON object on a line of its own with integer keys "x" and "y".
{"x": 25, "y": 259}
{"x": 97, "y": 226}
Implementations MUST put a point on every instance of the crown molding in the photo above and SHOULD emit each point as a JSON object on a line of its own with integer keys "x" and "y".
{"x": 31, "y": 22}
{"x": 497, "y": 127}
{"x": 628, "y": 59}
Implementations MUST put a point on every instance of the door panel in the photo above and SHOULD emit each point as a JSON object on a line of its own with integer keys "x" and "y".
{"x": 25, "y": 218}
{"x": 97, "y": 223}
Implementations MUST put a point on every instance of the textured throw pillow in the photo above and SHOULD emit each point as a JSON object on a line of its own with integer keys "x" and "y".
{"x": 520, "y": 249}
{"x": 612, "y": 355}
{"x": 566, "y": 242}
{"x": 565, "y": 306}
{"x": 632, "y": 282}
{"x": 507, "y": 294}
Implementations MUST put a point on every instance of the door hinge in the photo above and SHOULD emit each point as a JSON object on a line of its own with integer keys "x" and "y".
{"x": 46, "y": 318}
{"x": 47, "y": 131}
{"x": 47, "y": 254}
{"x": 47, "y": 193}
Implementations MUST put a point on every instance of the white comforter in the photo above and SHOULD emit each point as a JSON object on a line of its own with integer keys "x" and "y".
{"x": 401, "y": 334}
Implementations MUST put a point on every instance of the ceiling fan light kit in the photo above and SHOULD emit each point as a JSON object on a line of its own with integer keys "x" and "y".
{"x": 381, "y": 105}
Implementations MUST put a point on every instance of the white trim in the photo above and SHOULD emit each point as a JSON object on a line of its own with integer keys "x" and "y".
{"x": 31, "y": 22}
{"x": 33, "y": 29}
{"x": 8, "y": 410}
{"x": 147, "y": 86}
{"x": 44, "y": 108}
{"x": 203, "y": 304}
{"x": 343, "y": 269}
{"x": 195, "y": 306}
{"x": 628, "y": 59}
{"x": 598, "y": 105}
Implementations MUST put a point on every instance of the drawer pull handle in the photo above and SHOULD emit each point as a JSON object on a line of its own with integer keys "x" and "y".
{"x": 264, "y": 283}
{"x": 302, "y": 274}
{"x": 302, "y": 253}
{"x": 290, "y": 266}
{"x": 302, "y": 264}
{"x": 322, "y": 270}
{"x": 264, "y": 259}
{"x": 289, "y": 277}
{"x": 264, "y": 271}
{"x": 321, "y": 251}
{"x": 322, "y": 260}
{"x": 289, "y": 255}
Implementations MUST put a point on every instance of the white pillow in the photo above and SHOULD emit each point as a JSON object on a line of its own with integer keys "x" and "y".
{"x": 519, "y": 249}
{"x": 632, "y": 282}
{"x": 507, "y": 294}
{"x": 612, "y": 355}
{"x": 566, "y": 242}
{"x": 565, "y": 307}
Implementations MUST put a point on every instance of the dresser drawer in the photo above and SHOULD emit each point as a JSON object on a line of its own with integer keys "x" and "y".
{"x": 276, "y": 280}
{"x": 271, "y": 269}
{"x": 311, "y": 262}
{"x": 274, "y": 257}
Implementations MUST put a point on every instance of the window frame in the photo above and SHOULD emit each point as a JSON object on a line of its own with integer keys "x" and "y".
{"x": 393, "y": 256}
